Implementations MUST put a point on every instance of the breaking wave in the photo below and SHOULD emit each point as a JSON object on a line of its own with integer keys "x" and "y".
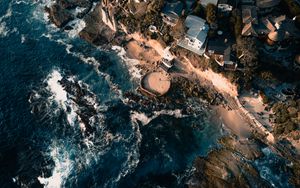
{"x": 5, "y": 31}
{"x": 62, "y": 95}
{"x": 144, "y": 119}
{"x": 131, "y": 64}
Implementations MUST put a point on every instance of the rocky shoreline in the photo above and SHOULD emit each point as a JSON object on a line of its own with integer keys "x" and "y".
{"x": 229, "y": 166}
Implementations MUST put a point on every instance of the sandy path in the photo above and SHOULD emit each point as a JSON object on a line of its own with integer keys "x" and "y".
{"x": 136, "y": 51}
{"x": 222, "y": 84}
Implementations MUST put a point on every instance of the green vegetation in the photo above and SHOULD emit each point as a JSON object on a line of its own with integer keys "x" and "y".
{"x": 264, "y": 97}
{"x": 286, "y": 116}
{"x": 267, "y": 75}
{"x": 183, "y": 88}
{"x": 199, "y": 10}
{"x": 247, "y": 50}
{"x": 292, "y": 7}
{"x": 296, "y": 174}
{"x": 211, "y": 13}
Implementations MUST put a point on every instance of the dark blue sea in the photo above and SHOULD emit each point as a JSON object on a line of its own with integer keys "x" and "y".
{"x": 66, "y": 121}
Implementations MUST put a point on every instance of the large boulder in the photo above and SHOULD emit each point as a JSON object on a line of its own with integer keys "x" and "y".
{"x": 58, "y": 15}
{"x": 96, "y": 32}
{"x": 229, "y": 166}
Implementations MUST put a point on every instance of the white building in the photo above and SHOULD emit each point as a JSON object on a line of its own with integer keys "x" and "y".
{"x": 195, "y": 38}
{"x": 204, "y": 3}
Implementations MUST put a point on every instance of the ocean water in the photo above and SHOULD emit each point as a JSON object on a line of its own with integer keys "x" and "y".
{"x": 64, "y": 118}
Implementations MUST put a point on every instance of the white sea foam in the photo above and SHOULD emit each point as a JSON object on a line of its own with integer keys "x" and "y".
{"x": 77, "y": 25}
{"x": 59, "y": 93}
{"x": 4, "y": 30}
{"x": 21, "y": 1}
{"x": 63, "y": 166}
{"x": 133, "y": 155}
{"x": 144, "y": 119}
{"x": 131, "y": 64}
{"x": 23, "y": 38}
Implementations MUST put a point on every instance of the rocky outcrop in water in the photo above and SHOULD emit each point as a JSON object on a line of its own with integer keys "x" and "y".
{"x": 229, "y": 166}
{"x": 95, "y": 32}
{"x": 58, "y": 15}
{"x": 63, "y": 11}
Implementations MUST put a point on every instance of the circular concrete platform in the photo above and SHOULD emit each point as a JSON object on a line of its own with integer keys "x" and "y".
{"x": 156, "y": 83}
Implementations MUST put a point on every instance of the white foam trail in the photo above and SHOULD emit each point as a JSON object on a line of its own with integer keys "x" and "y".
{"x": 62, "y": 169}
{"x": 77, "y": 25}
{"x": 131, "y": 64}
{"x": 59, "y": 94}
{"x": 23, "y": 39}
{"x": 4, "y": 30}
{"x": 133, "y": 155}
{"x": 21, "y": 1}
{"x": 144, "y": 119}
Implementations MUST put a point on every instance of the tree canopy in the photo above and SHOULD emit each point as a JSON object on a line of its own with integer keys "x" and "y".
{"x": 211, "y": 13}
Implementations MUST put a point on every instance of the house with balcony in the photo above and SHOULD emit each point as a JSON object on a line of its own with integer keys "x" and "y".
{"x": 220, "y": 51}
{"x": 195, "y": 37}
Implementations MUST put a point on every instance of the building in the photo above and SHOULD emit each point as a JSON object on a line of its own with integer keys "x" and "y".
{"x": 204, "y": 3}
{"x": 195, "y": 37}
{"x": 276, "y": 37}
{"x": 249, "y": 29}
{"x": 265, "y": 26}
{"x": 250, "y": 20}
{"x": 249, "y": 14}
{"x": 167, "y": 61}
{"x": 266, "y": 6}
{"x": 221, "y": 53}
{"x": 171, "y": 12}
{"x": 155, "y": 84}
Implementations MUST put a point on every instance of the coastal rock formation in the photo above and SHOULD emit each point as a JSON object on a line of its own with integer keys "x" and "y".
{"x": 248, "y": 148}
{"x": 96, "y": 32}
{"x": 63, "y": 11}
{"x": 71, "y": 4}
{"x": 228, "y": 166}
{"x": 58, "y": 15}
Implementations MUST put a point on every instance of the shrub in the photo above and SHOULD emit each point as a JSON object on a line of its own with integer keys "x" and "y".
{"x": 211, "y": 13}
{"x": 199, "y": 10}
{"x": 267, "y": 75}
{"x": 264, "y": 97}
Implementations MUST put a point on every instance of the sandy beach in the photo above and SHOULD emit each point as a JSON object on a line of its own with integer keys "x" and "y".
{"x": 233, "y": 121}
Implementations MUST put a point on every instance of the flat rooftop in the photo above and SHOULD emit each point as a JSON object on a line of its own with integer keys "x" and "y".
{"x": 156, "y": 83}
